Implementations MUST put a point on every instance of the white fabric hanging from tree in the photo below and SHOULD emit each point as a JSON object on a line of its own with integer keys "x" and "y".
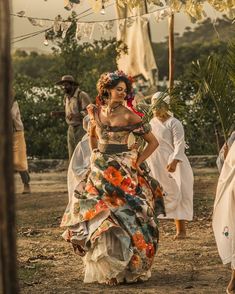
{"x": 134, "y": 33}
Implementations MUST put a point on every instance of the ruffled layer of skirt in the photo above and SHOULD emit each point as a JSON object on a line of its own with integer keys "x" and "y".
{"x": 113, "y": 218}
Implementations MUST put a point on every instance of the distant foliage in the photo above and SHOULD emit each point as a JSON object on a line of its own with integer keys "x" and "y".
{"x": 35, "y": 75}
{"x": 45, "y": 136}
{"x": 209, "y": 95}
{"x": 198, "y": 43}
{"x": 34, "y": 81}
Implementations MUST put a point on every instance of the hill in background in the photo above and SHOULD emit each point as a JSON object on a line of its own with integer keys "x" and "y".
{"x": 205, "y": 39}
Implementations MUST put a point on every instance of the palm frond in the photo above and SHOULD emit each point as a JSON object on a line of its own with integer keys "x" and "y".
{"x": 214, "y": 83}
{"x": 231, "y": 61}
{"x": 176, "y": 105}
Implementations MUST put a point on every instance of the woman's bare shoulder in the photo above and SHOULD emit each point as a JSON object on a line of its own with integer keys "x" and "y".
{"x": 131, "y": 117}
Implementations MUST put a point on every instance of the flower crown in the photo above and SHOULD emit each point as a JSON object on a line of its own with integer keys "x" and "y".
{"x": 107, "y": 80}
{"x": 112, "y": 76}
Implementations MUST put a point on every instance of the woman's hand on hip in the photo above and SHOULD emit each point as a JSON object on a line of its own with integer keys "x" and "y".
{"x": 139, "y": 170}
{"x": 171, "y": 167}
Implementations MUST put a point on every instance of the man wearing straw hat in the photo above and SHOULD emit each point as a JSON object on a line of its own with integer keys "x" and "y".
{"x": 75, "y": 102}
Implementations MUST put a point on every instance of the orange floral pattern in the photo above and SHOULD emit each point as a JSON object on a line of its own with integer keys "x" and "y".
{"x": 91, "y": 189}
{"x": 114, "y": 200}
{"x": 89, "y": 214}
{"x": 139, "y": 241}
{"x": 135, "y": 261}
{"x": 99, "y": 207}
{"x": 112, "y": 175}
{"x": 150, "y": 251}
{"x": 128, "y": 186}
{"x": 113, "y": 186}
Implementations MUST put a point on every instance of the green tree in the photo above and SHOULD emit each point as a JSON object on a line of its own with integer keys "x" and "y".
{"x": 85, "y": 61}
{"x": 207, "y": 91}
{"x": 32, "y": 64}
{"x": 34, "y": 83}
{"x": 45, "y": 136}
{"x": 198, "y": 43}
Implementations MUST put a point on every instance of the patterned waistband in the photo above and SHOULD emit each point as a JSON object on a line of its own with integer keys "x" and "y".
{"x": 113, "y": 148}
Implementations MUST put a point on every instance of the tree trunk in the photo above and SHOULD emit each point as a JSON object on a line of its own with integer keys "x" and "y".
{"x": 8, "y": 269}
{"x": 171, "y": 51}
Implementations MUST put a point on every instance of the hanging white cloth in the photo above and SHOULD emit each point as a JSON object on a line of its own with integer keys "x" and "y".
{"x": 178, "y": 185}
{"x": 134, "y": 33}
{"x": 224, "y": 210}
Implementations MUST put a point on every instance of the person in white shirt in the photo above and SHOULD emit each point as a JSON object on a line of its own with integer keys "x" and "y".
{"x": 224, "y": 150}
{"x": 169, "y": 164}
{"x": 19, "y": 147}
{"x": 223, "y": 221}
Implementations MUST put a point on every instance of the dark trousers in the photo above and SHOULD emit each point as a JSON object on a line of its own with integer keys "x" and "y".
{"x": 25, "y": 177}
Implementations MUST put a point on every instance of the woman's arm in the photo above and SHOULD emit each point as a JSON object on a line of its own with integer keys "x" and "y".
{"x": 179, "y": 145}
{"x": 93, "y": 137}
{"x": 152, "y": 144}
{"x": 92, "y": 127}
{"x": 178, "y": 140}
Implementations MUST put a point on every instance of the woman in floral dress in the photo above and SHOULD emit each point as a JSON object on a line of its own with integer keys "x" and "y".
{"x": 111, "y": 219}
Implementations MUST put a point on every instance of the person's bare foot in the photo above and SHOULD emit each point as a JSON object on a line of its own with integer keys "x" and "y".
{"x": 180, "y": 236}
{"x": 112, "y": 282}
{"x": 180, "y": 229}
{"x": 27, "y": 189}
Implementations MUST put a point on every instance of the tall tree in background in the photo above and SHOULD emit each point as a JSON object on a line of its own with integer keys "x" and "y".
{"x": 8, "y": 280}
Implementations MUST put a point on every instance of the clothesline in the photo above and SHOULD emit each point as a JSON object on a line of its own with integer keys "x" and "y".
{"x": 92, "y": 21}
{"x": 86, "y": 28}
{"x": 21, "y": 15}
{"x": 30, "y": 35}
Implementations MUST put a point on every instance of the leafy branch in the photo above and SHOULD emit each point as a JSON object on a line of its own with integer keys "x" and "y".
{"x": 213, "y": 81}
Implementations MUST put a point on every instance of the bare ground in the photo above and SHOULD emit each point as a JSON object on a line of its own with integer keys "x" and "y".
{"x": 47, "y": 264}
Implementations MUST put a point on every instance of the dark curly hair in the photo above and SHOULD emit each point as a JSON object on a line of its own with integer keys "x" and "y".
{"x": 109, "y": 81}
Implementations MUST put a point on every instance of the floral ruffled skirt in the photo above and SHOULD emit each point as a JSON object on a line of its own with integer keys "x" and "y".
{"x": 113, "y": 214}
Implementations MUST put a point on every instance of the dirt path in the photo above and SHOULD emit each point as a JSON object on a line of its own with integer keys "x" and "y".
{"x": 48, "y": 265}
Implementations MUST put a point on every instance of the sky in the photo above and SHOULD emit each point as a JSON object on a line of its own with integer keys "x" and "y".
{"x": 51, "y": 8}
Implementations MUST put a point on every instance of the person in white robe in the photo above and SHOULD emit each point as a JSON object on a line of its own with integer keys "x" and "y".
{"x": 79, "y": 165}
{"x": 223, "y": 221}
{"x": 170, "y": 165}
{"x": 224, "y": 151}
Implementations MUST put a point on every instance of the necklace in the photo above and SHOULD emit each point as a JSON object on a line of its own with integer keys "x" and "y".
{"x": 111, "y": 109}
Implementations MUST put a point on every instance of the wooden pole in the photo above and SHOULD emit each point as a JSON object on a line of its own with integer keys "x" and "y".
{"x": 8, "y": 269}
{"x": 150, "y": 38}
{"x": 171, "y": 51}
{"x": 148, "y": 25}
